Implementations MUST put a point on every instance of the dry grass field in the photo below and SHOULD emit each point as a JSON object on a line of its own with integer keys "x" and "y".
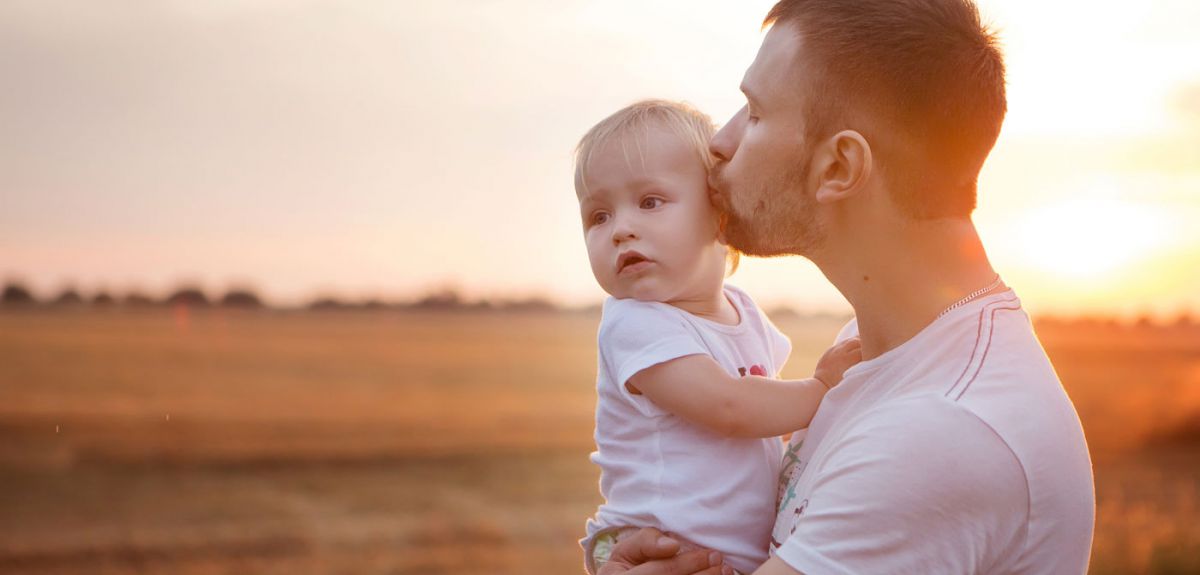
{"x": 404, "y": 443}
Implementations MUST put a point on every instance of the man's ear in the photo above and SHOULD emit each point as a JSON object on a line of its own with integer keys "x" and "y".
{"x": 844, "y": 165}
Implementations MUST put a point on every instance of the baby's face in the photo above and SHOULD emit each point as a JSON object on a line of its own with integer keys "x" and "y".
{"x": 650, "y": 229}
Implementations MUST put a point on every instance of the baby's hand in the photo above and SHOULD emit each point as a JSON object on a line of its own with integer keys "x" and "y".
{"x": 837, "y": 360}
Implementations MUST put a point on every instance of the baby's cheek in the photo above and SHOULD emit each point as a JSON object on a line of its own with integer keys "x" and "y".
{"x": 599, "y": 273}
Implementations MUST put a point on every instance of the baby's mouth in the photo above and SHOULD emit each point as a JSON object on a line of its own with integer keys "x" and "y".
{"x": 630, "y": 259}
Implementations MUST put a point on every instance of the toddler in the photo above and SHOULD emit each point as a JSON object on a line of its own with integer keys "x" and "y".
{"x": 688, "y": 423}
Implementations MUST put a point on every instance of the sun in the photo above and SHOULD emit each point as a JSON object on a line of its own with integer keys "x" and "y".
{"x": 1090, "y": 239}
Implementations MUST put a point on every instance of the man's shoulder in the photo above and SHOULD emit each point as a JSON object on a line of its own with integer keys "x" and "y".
{"x": 920, "y": 450}
{"x": 1029, "y": 434}
{"x": 927, "y": 443}
{"x": 927, "y": 414}
{"x": 848, "y": 330}
{"x": 990, "y": 348}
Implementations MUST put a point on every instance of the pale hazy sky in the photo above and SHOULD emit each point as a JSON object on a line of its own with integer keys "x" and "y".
{"x": 386, "y": 148}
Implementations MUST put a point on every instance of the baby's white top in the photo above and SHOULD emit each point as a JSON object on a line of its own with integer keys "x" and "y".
{"x": 660, "y": 470}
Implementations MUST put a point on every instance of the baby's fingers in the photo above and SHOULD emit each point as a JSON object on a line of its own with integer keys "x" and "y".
{"x": 848, "y": 348}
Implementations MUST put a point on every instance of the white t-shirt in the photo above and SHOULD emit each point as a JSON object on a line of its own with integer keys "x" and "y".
{"x": 660, "y": 470}
{"x": 956, "y": 452}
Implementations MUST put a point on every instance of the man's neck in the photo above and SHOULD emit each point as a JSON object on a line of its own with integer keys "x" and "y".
{"x": 900, "y": 280}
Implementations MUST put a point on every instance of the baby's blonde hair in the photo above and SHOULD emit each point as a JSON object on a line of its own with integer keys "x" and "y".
{"x": 693, "y": 127}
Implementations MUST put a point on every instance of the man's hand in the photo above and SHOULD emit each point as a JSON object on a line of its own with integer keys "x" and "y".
{"x": 649, "y": 552}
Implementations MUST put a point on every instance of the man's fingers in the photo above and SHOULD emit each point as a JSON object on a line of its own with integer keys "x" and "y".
{"x": 690, "y": 563}
{"x": 648, "y": 543}
{"x": 650, "y": 552}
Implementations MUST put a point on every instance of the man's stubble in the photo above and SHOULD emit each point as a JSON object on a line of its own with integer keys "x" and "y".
{"x": 782, "y": 222}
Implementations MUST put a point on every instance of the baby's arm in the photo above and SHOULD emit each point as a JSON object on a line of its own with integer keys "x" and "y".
{"x": 698, "y": 389}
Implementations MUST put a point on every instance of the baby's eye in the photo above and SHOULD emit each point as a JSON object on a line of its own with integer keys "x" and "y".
{"x": 599, "y": 218}
{"x": 651, "y": 202}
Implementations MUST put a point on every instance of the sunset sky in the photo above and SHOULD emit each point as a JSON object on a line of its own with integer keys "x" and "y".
{"x": 383, "y": 149}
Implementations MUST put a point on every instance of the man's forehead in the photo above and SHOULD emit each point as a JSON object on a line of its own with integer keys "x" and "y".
{"x": 773, "y": 64}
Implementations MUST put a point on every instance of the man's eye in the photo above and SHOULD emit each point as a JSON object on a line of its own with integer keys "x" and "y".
{"x": 651, "y": 203}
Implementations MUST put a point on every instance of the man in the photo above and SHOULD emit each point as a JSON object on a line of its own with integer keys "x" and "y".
{"x": 952, "y": 448}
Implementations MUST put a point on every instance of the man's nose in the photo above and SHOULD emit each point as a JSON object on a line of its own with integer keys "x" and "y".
{"x": 725, "y": 143}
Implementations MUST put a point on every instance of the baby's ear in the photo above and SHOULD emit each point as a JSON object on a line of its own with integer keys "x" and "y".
{"x": 721, "y": 221}
{"x": 733, "y": 258}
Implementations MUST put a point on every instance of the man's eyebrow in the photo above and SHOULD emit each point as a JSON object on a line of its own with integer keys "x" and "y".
{"x": 750, "y": 95}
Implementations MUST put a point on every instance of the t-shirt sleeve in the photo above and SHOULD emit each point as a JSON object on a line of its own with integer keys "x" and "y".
{"x": 922, "y": 489}
{"x": 781, "y": 348}
{"x": 848, "y": 331}
{"x": 636, "y": 335}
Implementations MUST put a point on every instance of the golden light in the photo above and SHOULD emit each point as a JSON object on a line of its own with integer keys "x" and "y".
{"x": 1083, "y": 238}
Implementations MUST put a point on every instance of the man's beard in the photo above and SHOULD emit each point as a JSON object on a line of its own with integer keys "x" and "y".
{"x": 783, "y": 222}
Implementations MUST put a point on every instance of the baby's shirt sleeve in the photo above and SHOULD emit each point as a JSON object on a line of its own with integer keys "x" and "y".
{"x": 781, "y": 348}
{"x": 635, "y": 335}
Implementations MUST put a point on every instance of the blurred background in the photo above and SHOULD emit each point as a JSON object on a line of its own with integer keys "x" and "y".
{"x": 299, "y": 287}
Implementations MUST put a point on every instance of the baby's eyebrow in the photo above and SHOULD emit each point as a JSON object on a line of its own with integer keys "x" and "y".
{"x": 589, "y": 199}
{"x": 641, "y": 184}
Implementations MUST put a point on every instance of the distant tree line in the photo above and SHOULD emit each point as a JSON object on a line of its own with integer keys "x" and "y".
{"x": 440, "y": 300}
{"x": 17, "y": 295}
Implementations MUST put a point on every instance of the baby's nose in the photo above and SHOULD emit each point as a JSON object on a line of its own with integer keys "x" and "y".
{"x": 623, "y": 231}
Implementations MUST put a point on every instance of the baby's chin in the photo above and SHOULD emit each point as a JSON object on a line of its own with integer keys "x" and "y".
{"x": 660, "y": 295}
{"x": 640, "y": 293}
{"x": 649, "y": 298}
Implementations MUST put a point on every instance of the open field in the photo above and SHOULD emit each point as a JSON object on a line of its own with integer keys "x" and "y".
{"x": 396, "y": 443}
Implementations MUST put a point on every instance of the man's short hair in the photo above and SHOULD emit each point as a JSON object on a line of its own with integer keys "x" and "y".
{"x": 926, "y": 77}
